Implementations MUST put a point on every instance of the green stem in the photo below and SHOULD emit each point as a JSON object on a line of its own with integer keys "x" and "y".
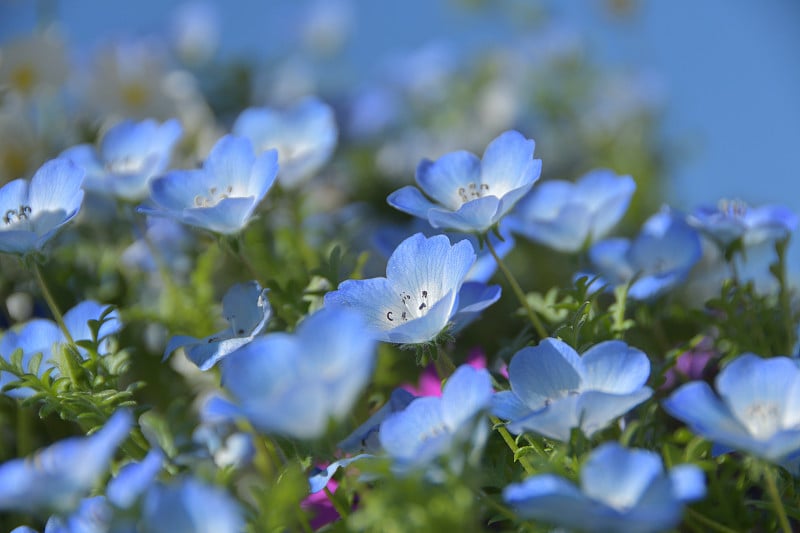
{"x": 708, "y": 523}
{"x": 772, "y": 490}
{"x": 512, "y": 445}
{"x": 537, "y": 324}
{"x": 444, "y": 365}
{"x": 51, "y": 303}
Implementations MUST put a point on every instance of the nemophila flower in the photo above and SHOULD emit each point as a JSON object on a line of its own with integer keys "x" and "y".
{"x": 387, "y": 238}
{"x": 620, "y": 490}
{"x": 57, "y": 477}
{"x": 470, "y": 194}
{"x": 419, "y": 296}
{"x": 93, "y": 515}
{"x": 246, "y": 308}
{"x": 134, "y": 478}
{"x": 32, "y": 212}
{"x": 692, "y": 364}
{"x": 304, "y": 135}
{"x": 293, "y": 384}
{"x": 432, "y": 427}
{"x": 567, "y": 216}
{"x": 365, "y": 437}
{"x": 164, "y": 240}
{"x": 33, "y": 62}
{"x": 220, "y": 197}
{"x": 659, "y": 258}
{"x": 553, "y": 389}
{"x": 190, "y": 505}
{"x": 757, "y": 408}
{"x": 41, "y": 336}
{"x": 732, "y": 220}
{"x": 129, "y": 155}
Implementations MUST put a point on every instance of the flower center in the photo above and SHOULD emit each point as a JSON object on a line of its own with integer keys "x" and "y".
{"x": 13, "y": 217}
{"x": 732, "y": 208}
{"x": 473, "y": 191}
{"x": 762, "y": 419}
{"x": 124, "y": 165}
{"x": 214, "y": 197}
{"x": 410, "y": 308}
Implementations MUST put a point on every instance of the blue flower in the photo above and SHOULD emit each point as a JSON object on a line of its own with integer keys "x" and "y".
{"x": 567, "y": 216}
{"x": 732, "y": 220}
{"x": 246, "y": 308}
{"x": 387, "y": 238}
{"x": 129, "y": 156}
{"x": 553, "y": 389}
{"x": 32, "y": 212}
{"x": 304, "y": 135}
{"x": 365, "y": 437}
{"x": 659, "y": 258}
{"x": 472, "y": 195}
{"x": 57, "y": 477}
{"x": 134, "y": 479}
{"x": 419, "y": 296}
{"x": 293, "y": 384}
{"x": 620, "y": 490}
{"x": 93, "y": 515}
{"x": 220, "y": 197}
{"x": 432, "y": 426}
{"x": 757, "y": 410}
{"x": 164, "y": 237}
{"x": 39, "y": 336}
{"x": 192, "y": 506}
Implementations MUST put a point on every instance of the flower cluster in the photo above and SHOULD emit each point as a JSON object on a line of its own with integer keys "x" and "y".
{"x": 537, "y": 345}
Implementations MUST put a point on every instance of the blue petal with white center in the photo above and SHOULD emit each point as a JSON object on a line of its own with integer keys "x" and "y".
{"x": 620, "y": 490}
{"x": 305, "y": 136}
{"x": 246, "y": 308}
{"x": 757, "y": 409}
{"x": 468, "y": 194}
{"x": 32, "y": 212}
{"x": 554, "y": 390}
{"x": 419, "y": 296}
{"x": 222, "y": 196}
{"x": 568, "y": 216}
{"x": 130, "y": 154}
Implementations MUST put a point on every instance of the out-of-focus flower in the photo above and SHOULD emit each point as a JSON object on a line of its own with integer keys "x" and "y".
{"x": 472, "y": 195}
{"x": 659, "y": 258}
{"x": 165, "y": 237}
{"x": 134, "y": 479}
{"x": 195, "y": 31}
{"x": 419, "y": 296}
{"x": 732, "y": 220}
{"x": 222, "y": 196}
{"x": 554, "y": 390}
{"x": 568, "y": 216}
{"x": 57, "y": 477}
{"x": 129, "y": 155}
{"x": 365, "y": 437}
{"x": 691, "y": 364}
{"x": 620, "y": 490}
{"x": 327, "y": 25}
{"x": 293, "y": 384}
{"x": 190, "y": 505}
{"x": 757, "y": 410}
{"x": 32, "y": 212}
{"x": 40, "y": 336}
{"x": 430, "y": 384}
{"x": 246, "y": 308}
{"x": 33, "y": 62}
{"x": 93, "y": 515}
{"x": 433, "y": 426}
{"x": 304, "y": 135}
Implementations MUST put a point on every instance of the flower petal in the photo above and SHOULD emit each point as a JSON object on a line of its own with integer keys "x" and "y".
{"x": 447, "y": 180}
{"x": 614, "y": 367}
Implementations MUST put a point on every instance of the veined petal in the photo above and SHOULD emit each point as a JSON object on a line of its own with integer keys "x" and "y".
{"x": 554, "y": 421}
{"x": 178, "y": 189}
{"x": 596, "y": 410}
{"x": 508, "y": 163}
{"x": 447, "y": 180}
{"x": 410, "y": 200}
{"x": 56, "y": 186}
{"x": 697, "y": 406}
{"x": 231, "y": 161}
{"x": 373, "y": 298}
{"x": 614, "y": 367}
{"x": 466, "y": 393}
{"x": 618, "y": 476}
{"x": 551, "y": 499}
{"x": 508, "y": 406}
{"x": 404, "y": 433}
{"x": 475, "y": 215}
{"x": 228, "y": 216}
{"x": 547, "y": 371}
{"x": 262, "y": 174}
